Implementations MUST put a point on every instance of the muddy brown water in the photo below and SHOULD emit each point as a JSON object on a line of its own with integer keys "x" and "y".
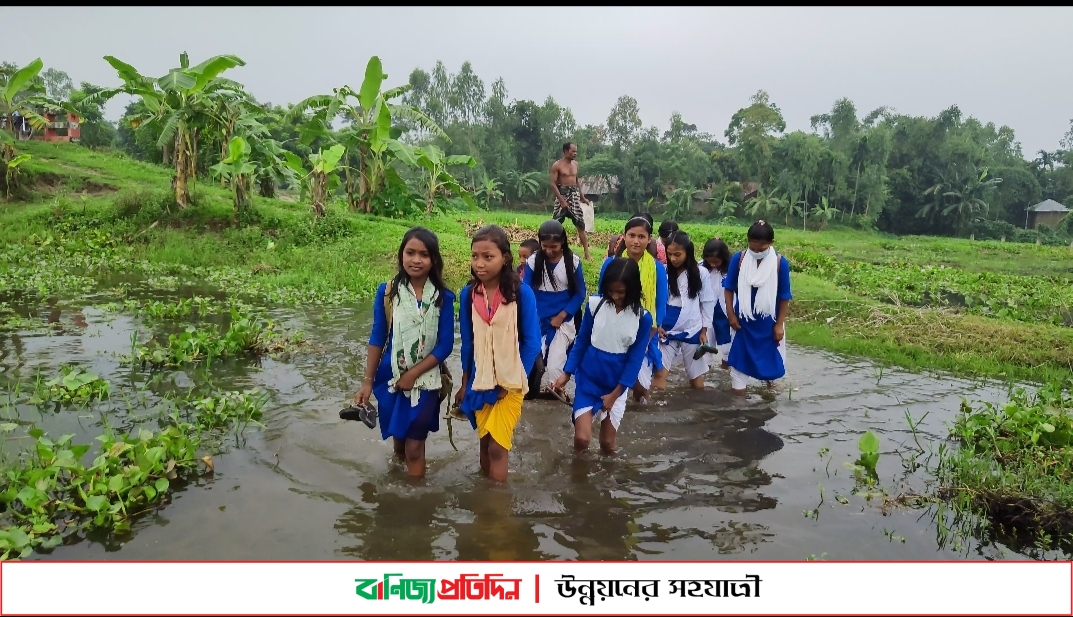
{"x": 699, "y": 475}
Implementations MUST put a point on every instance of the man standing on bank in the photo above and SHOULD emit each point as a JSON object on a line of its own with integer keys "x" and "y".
{"x": 568, "y": 195}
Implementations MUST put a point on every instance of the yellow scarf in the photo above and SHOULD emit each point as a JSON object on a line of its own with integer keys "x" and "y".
{"x": 648, "y": 282}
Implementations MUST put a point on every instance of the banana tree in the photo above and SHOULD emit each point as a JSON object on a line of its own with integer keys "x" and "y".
{"x": 11, "y": 171}
{"x": 680, "y": 200}
{"x": 523, "y": 184}
{"x": 963, "y": 201}
{"x": 825, "y": 212}
{"x": 437, "y": 180}
{"x": 321, "y": 180}
{"x": 764, "y": 201}
{"x": 372, "y": 135}
{"x": 265, "y": 153}
{"x": 236, "y": 169}
{"x": 181, "y": 103}
{"x": 21, "y": 94}
{"x": 489, "y": 192}
{"x": 723, "y": 204}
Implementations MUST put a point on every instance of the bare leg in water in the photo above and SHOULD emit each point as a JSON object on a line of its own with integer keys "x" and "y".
{"x": 493, "y": 459}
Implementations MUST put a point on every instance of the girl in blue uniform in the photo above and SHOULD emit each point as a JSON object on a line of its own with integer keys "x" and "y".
{"x": 607, "y": 354}
{"x": 758, "y": 288}
{"x": 716, "y": 262}
{"x": 500, "y": 331}
{"x": 405, "y": 353}
{"x": 554, "y": 273}
{"x": 689, "y": 310}
{"x": 636, "y": 236}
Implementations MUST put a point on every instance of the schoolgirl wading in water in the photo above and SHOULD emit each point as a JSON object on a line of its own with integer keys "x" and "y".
{"x": 690, "y": 301}
{"x": 607, "y": 354}
{"x": 758, "y": 287}
{"x": 716, "y": 263}
{"x": 500, "y": 331}
{"x": 413, "y": 334}
{"x": 554, "y": 273}
{"x": 636, "y": 236}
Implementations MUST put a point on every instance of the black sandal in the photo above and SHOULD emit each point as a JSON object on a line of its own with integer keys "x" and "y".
{"x": 703, "y": 349}
{"x": 364, "y": 413}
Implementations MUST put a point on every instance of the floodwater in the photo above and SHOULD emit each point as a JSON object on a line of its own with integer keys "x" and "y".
{"x": 699, "y": 475}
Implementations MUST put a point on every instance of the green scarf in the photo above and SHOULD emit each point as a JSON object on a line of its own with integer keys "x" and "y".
{"x": 413, "y": 336}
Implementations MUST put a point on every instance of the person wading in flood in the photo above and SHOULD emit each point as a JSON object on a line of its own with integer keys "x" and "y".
{"x": 568, "y": 193}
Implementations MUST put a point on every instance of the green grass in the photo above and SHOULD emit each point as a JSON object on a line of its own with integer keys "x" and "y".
{"x": 282, "y": 251}
{"x": 1015, "y": 465}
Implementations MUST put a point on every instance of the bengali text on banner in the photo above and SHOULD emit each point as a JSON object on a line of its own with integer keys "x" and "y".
{"x": 544, "y": 588}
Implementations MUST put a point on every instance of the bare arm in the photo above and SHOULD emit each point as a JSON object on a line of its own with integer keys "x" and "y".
{"x": 732, "y": 315}
{"x": 362, "y": 397}
{"x": 555, "y": 184}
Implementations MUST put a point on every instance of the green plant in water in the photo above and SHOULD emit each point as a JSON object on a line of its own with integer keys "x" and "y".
{"x": 1015, "y": 464}
{"x": 49, "y": 491}
{"x": 869, "y": 448}
{"x": 72, "y": 385}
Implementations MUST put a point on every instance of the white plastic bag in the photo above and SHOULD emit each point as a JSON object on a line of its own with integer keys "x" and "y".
{"x": 590, "y": 217}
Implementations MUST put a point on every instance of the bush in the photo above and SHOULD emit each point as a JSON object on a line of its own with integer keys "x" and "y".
{"x": 143, "y": 204}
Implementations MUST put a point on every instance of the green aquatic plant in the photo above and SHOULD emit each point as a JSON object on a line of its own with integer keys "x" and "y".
{"x": 73, "y": 384}
{"x": 1014, "y": 467}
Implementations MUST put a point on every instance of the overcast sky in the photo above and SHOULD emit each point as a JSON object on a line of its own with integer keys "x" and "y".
{"x": 1001, "y": 65}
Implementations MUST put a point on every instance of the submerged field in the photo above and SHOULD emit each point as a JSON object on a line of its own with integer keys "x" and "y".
{"x": 139, "y": 347}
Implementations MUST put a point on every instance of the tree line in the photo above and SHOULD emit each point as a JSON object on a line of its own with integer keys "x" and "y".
{"x": 443, "y": 137}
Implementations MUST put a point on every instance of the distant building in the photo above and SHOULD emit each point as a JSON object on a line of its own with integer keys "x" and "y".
{"x": 749, "y": 190}
{"x": 62, "y": 126}
{"x": 598, "y": 186}
{"x": 1048, "y": 213}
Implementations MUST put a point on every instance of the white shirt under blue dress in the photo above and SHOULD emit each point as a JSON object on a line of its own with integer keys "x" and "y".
{"x": 720, "y": 322}
{"x": 754, "y": 351}
{"x": 398, "y": 418}
{"x": 553, "y": 299}
{"x": 653, "y": 354}
{"x": 685, "y": 316}
{"x": 607, "y": 353}
{"x": 528, "y": 347}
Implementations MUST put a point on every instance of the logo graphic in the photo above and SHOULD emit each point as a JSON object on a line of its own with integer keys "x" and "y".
{"x": 465, "y": 587}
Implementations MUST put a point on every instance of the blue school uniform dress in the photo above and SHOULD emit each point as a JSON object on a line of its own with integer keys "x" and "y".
{"x": 653, "y": 355}
{"x": 398, "y": 417}
{"x": 528, "y": 346}
{"x": 720, "y": 323}
{"x": 608, "y": 352}
{"x": 553, "y": 299}
{"x": 754, "y": 351}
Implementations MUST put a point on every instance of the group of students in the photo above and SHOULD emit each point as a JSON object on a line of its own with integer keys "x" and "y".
{"x": 656, "y": 305}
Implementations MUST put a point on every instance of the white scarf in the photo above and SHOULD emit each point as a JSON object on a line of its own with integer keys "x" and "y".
{"x": 690, "y": 320}
{"x": 764, "y": 277}
{"x": 413, "y": 337}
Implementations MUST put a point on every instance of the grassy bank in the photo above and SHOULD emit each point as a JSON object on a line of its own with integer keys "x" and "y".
{"x": 1014, "y": 467}
{"x": 987, "y": 309}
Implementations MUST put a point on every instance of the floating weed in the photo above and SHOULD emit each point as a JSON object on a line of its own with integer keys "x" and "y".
{"x": 48, "y": 493}
{"x": 229, "y": 408}
{"x": 1014, "y": 469}
{"x": 246, "y": 335}
{"x": 73, "y": 384}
